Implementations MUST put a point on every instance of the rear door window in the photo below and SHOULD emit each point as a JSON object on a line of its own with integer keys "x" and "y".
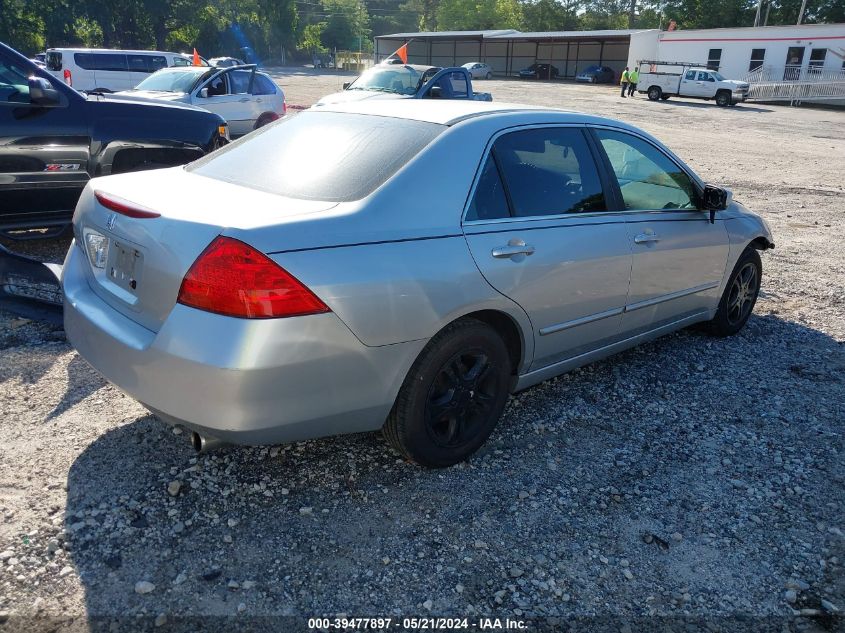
{"x": 101, "y": 61}
{"x": 239, "y": 80}
{"x": 138, "y": 63}
{"x": 489, "y": 202}
{"x": 263, "y": 86}
{"x": 54, "y": 60}
{"x": 549, "y": 171}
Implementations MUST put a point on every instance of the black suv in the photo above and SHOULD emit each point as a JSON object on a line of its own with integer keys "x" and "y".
{"x": 53, "y": 139}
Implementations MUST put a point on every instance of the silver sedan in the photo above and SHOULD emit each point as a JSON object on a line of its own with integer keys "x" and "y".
{"x": 397, "y": 265}
{"x": 479, "y": 70}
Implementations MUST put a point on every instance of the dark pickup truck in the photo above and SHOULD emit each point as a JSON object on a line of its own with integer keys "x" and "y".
{"x": 53, "y": 139}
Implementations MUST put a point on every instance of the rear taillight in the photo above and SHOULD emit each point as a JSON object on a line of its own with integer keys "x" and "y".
{"x": 234, "y": 279}
{"x": 284, "y": 107}
{"x": 68, "y": 77}
{"x": 124, "y": 207}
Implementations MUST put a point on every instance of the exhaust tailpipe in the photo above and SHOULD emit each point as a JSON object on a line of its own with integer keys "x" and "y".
{"x": 205, "y": 443}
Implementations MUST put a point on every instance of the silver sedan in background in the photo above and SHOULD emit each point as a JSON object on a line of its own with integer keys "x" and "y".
{"x": 245, "y": 98}
{"x": 479, "y": 70}
{"x": 402, "y": 265}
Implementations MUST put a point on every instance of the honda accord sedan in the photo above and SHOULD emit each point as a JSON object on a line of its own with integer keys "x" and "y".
{"x": 397, "y": 265}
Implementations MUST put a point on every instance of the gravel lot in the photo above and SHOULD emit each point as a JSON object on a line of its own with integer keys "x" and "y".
{"x": 695, "y": 479}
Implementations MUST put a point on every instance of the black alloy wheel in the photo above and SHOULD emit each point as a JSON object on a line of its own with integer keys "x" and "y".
{"x": 453, "y": 395}
{"x": 460, "y": 398}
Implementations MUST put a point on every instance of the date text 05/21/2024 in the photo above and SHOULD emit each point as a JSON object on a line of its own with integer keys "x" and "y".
{"x": 416, "y": 624}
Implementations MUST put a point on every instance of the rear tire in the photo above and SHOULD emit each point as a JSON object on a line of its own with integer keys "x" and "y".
{"x": 741, "y": 291}
{"x": 654, "y": 93}
{"x": 264, "y": 119}
{"x": 452, "y": 397}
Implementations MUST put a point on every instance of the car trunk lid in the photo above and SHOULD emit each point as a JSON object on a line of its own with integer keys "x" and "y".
{"x": 136, "y": 264}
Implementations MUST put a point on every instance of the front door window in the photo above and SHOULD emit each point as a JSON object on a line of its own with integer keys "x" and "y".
{"x": 14, "y": 84}
{"x": 648, "y": 179}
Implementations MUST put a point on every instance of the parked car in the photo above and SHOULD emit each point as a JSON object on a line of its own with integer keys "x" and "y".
{"x": 54, "y": 139}
{"x": 597, "y": 75}
{"x": 408, "y": 81}
{"x": 397, "y": 265}
{"x": 539, "y": 71}
{"x": 226, "y": 62}
{"x": 479, "y": 70}
{"x": 101, "y": 70}
{"x": 246, "y": 99}
{"x": 662, "y": 80}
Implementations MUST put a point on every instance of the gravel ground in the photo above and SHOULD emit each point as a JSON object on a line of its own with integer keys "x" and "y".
{"x": 691, "y": 482}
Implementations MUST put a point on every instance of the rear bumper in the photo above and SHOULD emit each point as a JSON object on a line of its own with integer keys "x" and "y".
{"x": 244, "y": 381}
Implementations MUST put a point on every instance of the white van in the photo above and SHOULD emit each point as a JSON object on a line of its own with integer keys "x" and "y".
{"x": 109, "y": 70}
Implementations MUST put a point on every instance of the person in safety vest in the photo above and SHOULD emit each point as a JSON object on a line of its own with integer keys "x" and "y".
{"x": 624, "y": 81}
{"x": 633, "y": 78}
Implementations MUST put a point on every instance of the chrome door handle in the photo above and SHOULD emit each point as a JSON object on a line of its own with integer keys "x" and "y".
{"x": 645, "y": 238}
{"x": 243, "y": 100}
{"x": 504, "y": 252}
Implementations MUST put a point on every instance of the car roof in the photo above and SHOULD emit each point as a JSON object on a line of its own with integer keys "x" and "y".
{"x": 452, "y": 111}
{"x": 110, "y": 50}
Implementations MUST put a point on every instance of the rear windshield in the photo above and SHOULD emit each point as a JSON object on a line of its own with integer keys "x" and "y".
{"x": 54, "y": 60}
{"x": 328, "y": 156}
{"x": 165, "y": 80}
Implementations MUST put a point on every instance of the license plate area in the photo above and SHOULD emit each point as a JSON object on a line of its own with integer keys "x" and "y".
{"x": 125, "y": 266}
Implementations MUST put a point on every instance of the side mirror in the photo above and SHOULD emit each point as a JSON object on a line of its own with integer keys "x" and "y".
{"x": 716, "y": 199}
{"x": 203, "y": 94}
{"x": 435, "y": 92}
{"x": 346, "y": 85}
{"x": 42, "y": 92}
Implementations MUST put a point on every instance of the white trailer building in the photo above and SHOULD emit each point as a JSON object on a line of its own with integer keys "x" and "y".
{"x": 737, "y": 52}
{"x": 809, "y": 58}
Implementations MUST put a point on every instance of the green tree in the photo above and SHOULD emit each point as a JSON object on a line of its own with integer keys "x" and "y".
{"x": 550, "y": 15}
{"x": 472, "y": 15}
{"x": 710, "y": 14}
{"x": 312, "y": 38}
{"x": 347, "y": 25}
{"x": 21, "y": 26}
{"x": 817, "y": 11}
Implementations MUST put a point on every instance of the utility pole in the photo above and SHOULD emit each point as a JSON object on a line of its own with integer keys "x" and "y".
{"x": 801, "y": 12}
{"x": 632, "y": 14}
{"x": 759, "y": 11}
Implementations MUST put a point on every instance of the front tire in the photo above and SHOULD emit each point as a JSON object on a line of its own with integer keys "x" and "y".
{"x": 654, "y": 93}
{"x": 723, "y": 98}
{"x": 740, "y": 295}
{"x": 452, "y": 397}
{"x": 488, "y": 76}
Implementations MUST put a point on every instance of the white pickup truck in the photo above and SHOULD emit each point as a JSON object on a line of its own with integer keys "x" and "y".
{"x": 661, "y": 80}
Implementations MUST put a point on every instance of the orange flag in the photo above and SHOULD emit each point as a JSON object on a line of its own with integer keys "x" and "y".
{"x": 402, "y": 52}
{"x": 197, "y": 61}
